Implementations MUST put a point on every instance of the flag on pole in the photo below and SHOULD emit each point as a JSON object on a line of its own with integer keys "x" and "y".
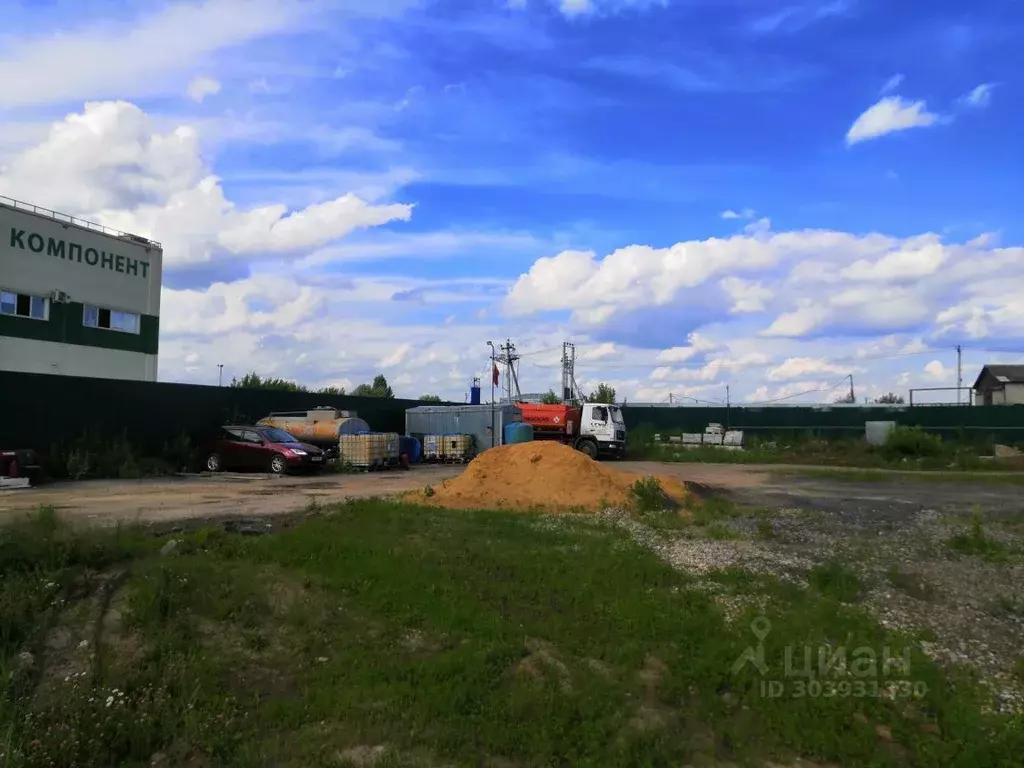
{"x": 494, "y": 375}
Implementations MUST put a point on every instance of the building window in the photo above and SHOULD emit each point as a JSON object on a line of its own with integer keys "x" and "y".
{"x": 110, "y": 319}
{"x": 24, "y": 305}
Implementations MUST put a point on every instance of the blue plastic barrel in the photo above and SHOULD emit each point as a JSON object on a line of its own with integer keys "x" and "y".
{"x": 410, "y": 446}
{"x": 517, "y": 432}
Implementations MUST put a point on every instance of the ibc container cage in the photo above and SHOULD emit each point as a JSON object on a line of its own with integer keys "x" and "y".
{"x": 452, "y": 449}
{"x": 369, "y": 451}
{"x": 474, "y": 420}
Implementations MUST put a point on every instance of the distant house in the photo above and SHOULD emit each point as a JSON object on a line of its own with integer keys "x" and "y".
{"x": 999, "y": 385}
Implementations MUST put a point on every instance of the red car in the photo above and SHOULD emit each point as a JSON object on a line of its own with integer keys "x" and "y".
{"x": 264, "y": 449}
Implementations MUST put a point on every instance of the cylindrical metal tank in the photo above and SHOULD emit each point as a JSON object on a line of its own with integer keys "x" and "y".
{"x": 518, "y": 433}
{"x": 314, "y": 428}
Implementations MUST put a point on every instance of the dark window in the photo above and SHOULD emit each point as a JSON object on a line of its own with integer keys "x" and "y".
{"x": 600, "y": 414}
{"x": 233, "y": 434}
{"x": 251, "y": 437}
{"x": 110, "y": 319}
{"x": 23, "y": 305}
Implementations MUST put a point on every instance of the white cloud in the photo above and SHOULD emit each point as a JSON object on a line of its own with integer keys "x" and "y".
{"x": 978, "y": 97}
{"x": 916, "y": 259}
{"x": 892, "y": 83}
{"x": 746, "y": 295}
{"x": 746, "y": 213}
{"x": 201, "y": 87}
{"x": 799, "y": 322}
{"x": 575, "y": 7}
{"x": 698, "y": 343}
{"x": 890, "y": 114}
{"x": 397, "y": 356}
{"x": 937, "y": 372}
{"x": 139, "y": 57}
{"x": 796, "y": 367}
{"x": 115, "y": 169}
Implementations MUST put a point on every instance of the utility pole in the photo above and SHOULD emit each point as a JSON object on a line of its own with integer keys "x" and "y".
{"x": 959, "y": 373}
{"x": 491, "y": 377}
{"x": 220, "y": 374}
{"x": 853, "y": 397}
{"x": 509, "y": 358}
{"x": 728, "y": 404}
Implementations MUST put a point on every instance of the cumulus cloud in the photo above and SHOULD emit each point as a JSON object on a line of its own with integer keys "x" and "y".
{"x": 115, "y": 168}
{"x": 698, "y": 344}
{"x": 745, "y": 295}
{"x": 889, "y": 115}
{"x": 935, "y": 371}
{"x": 797, "y": 367}
{"x": 201, "y": 87}
{"x": 978, "y": 97}
{"x": 809, "y": 283}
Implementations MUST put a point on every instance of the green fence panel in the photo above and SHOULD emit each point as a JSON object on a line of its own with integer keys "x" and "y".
{"x": 41, "y": 410}
{"x": 993, "y": 423}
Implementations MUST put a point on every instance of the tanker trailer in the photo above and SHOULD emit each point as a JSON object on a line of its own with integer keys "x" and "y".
{"x": 322, "y": 427}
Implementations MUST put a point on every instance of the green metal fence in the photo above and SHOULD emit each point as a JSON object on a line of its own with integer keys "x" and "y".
{"x": 41, "y": 410}
{"x": 995, "y": 423}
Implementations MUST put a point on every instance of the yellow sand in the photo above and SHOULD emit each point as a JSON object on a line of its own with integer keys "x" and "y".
{"x": 538, "y": 475}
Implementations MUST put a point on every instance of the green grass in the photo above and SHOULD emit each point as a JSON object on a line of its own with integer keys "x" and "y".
{"x": 443, "y": 638}
{"x": 974, "y": 542}
{"x": 912, "y": 450}
{"x": 883, "y": 476}
{"x": 837, "y": 581}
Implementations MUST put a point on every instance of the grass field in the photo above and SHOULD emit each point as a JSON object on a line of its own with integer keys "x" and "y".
{"x": 379, "y": 633}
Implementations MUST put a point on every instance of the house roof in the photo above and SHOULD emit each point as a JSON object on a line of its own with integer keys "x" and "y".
{"x": 1003, "y": 374}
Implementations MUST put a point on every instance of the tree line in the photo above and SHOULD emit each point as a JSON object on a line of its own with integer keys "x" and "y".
{"x": 379, "y": 387}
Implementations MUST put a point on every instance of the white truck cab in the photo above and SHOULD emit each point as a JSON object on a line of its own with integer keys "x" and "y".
{"x": 604, "y": 424}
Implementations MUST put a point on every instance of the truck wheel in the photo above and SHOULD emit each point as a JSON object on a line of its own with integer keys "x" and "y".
{"x": 588, "y": 447}
{"x": 277, "y": 464}
{"x": 213, "y": 463}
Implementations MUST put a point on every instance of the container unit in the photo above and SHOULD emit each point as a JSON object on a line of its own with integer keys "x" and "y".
{"x": 518, "y": 433}
{"x": 474, "y": 420}
{"x": 369, "y": 451}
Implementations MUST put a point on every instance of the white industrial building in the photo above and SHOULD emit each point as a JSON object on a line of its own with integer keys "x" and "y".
{"x": 76, "y": 298}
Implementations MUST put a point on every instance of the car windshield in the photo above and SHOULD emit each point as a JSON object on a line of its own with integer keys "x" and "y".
{"x": 616, "y": 415}
{"x": 278, "y": 436}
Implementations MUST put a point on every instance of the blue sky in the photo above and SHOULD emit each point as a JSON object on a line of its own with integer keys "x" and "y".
{"x": 697, "y": 193}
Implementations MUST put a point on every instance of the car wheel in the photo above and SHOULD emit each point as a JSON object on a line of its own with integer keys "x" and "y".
{"x": 213, "y": 463}
{"x": 589, "y": 447}
{"x": 278, "y": 464}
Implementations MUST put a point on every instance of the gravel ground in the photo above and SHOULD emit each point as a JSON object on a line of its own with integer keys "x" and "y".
{"x": 896, "y": 537}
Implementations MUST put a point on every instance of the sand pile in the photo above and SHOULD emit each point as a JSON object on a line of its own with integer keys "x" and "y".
{"x": 538, "y": 475}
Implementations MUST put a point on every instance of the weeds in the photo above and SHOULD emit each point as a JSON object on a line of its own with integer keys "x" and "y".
{"x": 976, "y": 543}
{"x": 910, "y": 443}
{"x": 836, "y": 580}
{"x": 428, "y": 491}
{"x": 1005, "y": 606}
{"x": 764, "y": 529}
{"x": 648, "y": 495}
{"x": 910, "y": 583}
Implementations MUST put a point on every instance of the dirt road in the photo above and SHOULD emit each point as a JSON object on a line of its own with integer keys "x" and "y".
{"x": 217, "y": 496}
{"x": 253, "y": 495}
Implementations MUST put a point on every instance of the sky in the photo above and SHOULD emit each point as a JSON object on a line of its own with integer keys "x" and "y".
{"x": 768, "y": 196}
